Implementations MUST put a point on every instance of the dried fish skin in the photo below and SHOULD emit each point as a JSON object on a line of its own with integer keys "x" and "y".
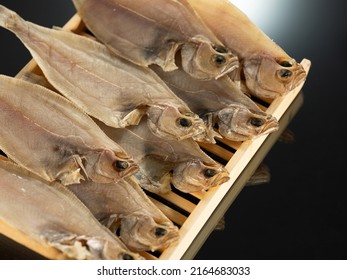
{"x": 124, "y": 207}
{"x": 220, "y": 102}
{"x": 108, "y": 88}
{"x": 45, "y": 133}
{"x": 153, "y": 32}
{"x": 52, "y": 215}
{"x": 268, "y": 70}
{"x": 157, "y": 157}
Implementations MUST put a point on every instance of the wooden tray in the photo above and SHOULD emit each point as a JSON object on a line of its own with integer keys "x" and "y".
{"x": 196, "y": 214}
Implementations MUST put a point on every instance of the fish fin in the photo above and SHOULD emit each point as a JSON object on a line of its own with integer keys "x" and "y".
{"x": 154, "y": 187}
{"x": 70, "y": 173}
{"x": 166, "y": 58}
{"x": 71, "y": 245}
{"x": 235, "y": 76}
{"x": 209, "y": 135}
{"x": 124, "y": 119}
{"x": 112, "y": 222}
{"x": 72, "y": 177}
{"x": 80, "y": 164}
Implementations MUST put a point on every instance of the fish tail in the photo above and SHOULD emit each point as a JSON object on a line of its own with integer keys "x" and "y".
{"x": 9, "y": 19}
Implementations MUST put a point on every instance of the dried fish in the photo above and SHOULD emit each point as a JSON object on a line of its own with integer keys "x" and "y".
{"x": 153, "y": 31}
{"x": 108, "y": 88}
{"x": 45, "y": 133}
{"x": 220, "y": 101}
{"x": 52, "y": 215}
{"x": 124, "y": 207}
{"x": 163, "y": 161}
{"x": 268, "y": 70}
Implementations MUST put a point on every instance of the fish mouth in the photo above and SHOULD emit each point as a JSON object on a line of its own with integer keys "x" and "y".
{"x": 233, "y": 64}
{"x": 219, "y": 179}
{"x": 300, "y": 77}
{"x": 271, "y": 126}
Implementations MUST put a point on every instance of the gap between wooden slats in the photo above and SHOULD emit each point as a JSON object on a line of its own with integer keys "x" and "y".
{"x": 172, "y": 214}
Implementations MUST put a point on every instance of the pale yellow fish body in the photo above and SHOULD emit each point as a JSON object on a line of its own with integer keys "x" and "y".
{"x": 52, "y": 215}
{"x": 267, "y": 70}
{"x": 48, "y": 135}
{"x": 109, "y": 88}
{"x": 163, "y": 161}
{"x": 125, "y": 208}
{"x": 155, "y": 31}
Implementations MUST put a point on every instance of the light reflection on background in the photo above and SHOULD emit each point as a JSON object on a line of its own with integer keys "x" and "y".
{"x": 270, "y": 15}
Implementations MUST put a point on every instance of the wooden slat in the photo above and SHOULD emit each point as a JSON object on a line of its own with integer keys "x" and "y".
{"x": 172, "y": 214}
{"x": 217, "y": 150}
{"x": 232, "y": 144}
{"x": 179, "y": 201}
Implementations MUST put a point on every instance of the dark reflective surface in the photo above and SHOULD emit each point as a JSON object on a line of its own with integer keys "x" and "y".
{"x": 301, "y": 214}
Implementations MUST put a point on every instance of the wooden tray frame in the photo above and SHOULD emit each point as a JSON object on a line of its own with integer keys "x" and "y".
{"x": 200, "y": 217}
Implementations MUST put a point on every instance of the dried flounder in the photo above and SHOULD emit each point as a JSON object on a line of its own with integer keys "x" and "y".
{"x": 108, "y": 88}
{"x": 162, "y": 161}
{"x": 124, "y": 207}
{"x": 220, "y": 102}
{"x": 45, "y": 133}
{"x": 52, "y": 215}
{"x": 153, "y": 31}
{"x": 268, "y": 71}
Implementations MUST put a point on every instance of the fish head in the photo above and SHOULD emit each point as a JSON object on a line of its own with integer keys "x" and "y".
{"x": 106, "y": 166}
{"x": 194, "y": 175}
{"x": 204, "y": 60}
{"x": 239, "y": 123}
{"x": 269, "y": 77}
{"x": 142, "y": 233}
{"x": 174, "y": 123}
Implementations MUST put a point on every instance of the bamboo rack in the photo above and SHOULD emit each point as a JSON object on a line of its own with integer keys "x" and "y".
{"x": 198, "y": 213}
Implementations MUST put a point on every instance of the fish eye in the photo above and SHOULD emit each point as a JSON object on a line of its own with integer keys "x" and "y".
{"x": 120, "y": 164}
{"x": 219, "y": 59}
{"x": 127, "y": 257}
{"x": 210, "y": 173}
{"x": 285, "y": 73}
{"x": 184, "y": 122}
{"x": 220, "y": 49}
{"x": 160, "y": 231}
{"x": 286, "y": 63}
{"x": 257, "y": 122}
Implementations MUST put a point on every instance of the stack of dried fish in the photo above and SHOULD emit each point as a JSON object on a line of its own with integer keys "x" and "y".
{"x": 266, "y": 70}
{"x": 52, "y": 215}
{"x": 127, "y": 109}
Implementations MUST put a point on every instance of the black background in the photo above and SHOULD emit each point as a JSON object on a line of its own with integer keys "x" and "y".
{"x": 301, "y": 213}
